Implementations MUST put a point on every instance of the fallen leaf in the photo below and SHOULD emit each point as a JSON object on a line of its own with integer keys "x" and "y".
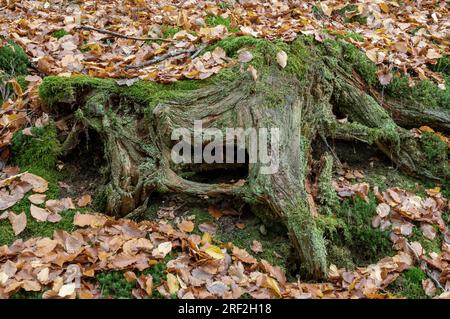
{"x": 253, "y": 72}
{"x": 67, "y": 290}
{"x": 215, "y": 212}
{"x": 428, "y": 287}
{"x": 18, "y": 222}
{"x": 257, "y": 247}
{"x": 84, "y": 200}
{"x": 37, "y": 199}
{"x": 172, "y": 284}
{"x": 215, "y": 252}
{"x": 39, "y": 184}
{"x": 282, "y": 59}
{"x": 38, "y": 213}
{"x": 162, "y": 250}
{"x": 245, "y": 56}
{"x": 208, "y": 227}
{"x": 186, "y": 226}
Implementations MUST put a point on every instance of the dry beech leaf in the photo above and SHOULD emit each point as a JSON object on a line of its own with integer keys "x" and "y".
{"x": 215, "y": 252}
{"x": 84, "y": 200}
{"x": 208, "y": 227}
{"x": 257, "y": 247}
{"x": 38, "y": 213}
{"x": 215, "y": 212}
{"x": 18, "y": 222}
{"x": 253, "y": 72}
{"x": 186, "y": 226}
{"x": 162, "y": 250}
{"x": 39, "y": 184}
{"x": 67, "y": 290}
{"x": 172, "y": 284}
{"x": 245, "y": 56}
{"x": 37, "y": 199}
{"x": 282, "y": 59}
{"x": 83, "y": 220}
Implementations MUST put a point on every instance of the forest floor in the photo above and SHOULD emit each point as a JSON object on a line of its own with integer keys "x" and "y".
{"x": 388, "y": 238}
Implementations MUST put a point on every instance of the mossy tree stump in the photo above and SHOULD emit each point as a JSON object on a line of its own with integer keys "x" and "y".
{"x": 302, "y": 100}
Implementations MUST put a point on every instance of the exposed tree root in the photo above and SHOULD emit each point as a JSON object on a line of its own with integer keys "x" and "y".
{"x": 300, "y": 100}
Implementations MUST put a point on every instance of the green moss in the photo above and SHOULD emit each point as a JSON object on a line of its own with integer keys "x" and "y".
{"x": 213, "y": 21}
{"x": 34, "y": 228}
{"x": 385, "y": 177}
{"x": 358, "y": 60}
{"x": 423, "y": 94}
{"x": 409, "y": 284}
{"x": 352, "y": 35}
{"x": 59, "y": 33}
{"x": 114, "y": 285}
{"x": 57, "y": 89}
{"x": 13, "y": 59}
{"x": 327, "y": 195}
{"x": 40, "y": 150}
{"x": 443, "y": 66}
{"x": 170, "y": 31}
{"x": 352, "y": 229}
{"x": 436, "y": 153}
{"x": 356, "y": 18}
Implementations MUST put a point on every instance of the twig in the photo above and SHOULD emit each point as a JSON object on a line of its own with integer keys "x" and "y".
{"x": 118, "y": 35}
{"x": 331, "y": 150}
{"x": 161, "y": 58}
{"x": 200, "y": 49}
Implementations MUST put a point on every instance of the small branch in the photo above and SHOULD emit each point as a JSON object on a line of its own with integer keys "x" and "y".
{"x": 118, "y": 35}
{"x": 200, "y": 49}
{"x": 161, "y": 58}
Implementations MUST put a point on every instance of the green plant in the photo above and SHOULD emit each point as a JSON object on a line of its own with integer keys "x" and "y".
{"x": 59, "y": 33}
{"x": 409, "y": 284}
{"x": 353, "y": 236}
{"x": 13, "y": 59}
{"x": 39, "y": 150}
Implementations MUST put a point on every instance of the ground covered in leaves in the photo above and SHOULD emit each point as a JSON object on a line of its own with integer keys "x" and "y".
{"x": 388, "y": 238}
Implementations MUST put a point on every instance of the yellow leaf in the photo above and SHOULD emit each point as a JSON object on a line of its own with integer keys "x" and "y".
{"x": 273, "y": 285}
{"x": 172, "y": 283}
{"x": 426, "y": 129}
{"x": 384, "y": 7}
{"x": 215, "y": 252}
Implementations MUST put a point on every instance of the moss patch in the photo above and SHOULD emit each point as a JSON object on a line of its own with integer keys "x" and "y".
{"x": 351, "y": 233}
{"x": 409, "y": 284}
{"x": 13, "y": 59}
{"x": 114, "y": 285}
{"x": 58, "y": 34}
{"x": 42, "y": 149}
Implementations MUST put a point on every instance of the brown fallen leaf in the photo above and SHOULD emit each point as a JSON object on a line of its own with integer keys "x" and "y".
{"x": 243, "y": 255}
{"x": 39, "y": 184}
{"x": 83, "y": 220}
{"x": 257, "y": 247}
{"x": 186, "y": 226}
{"x": 38, "y": 213}
{"x": 215, "y": 212}
{"x": 18, "y": 222}
{"x": 428, "y": 287}
{"x": 37, "y": 199}
{"x": 129, "y": 276}
{"x": 84, "y": 200}
{"x": 208, "y": 227}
